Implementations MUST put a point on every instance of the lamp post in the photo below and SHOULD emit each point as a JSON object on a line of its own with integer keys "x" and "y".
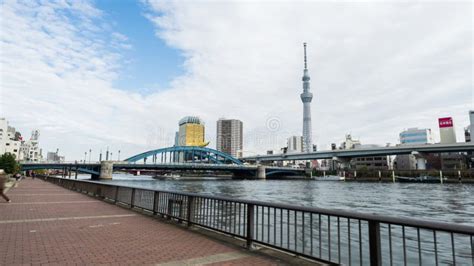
{"x": 85, "y": 157}
{"x": 90, "y": 152}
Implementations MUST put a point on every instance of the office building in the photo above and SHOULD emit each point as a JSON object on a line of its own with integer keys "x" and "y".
{"x": 371, "y": 163}
{"x": 191, "y": 132}
{"x": 416, "y": 136}
{"x": 446, "y": 130}
{"x": 413, "y": 136}
{"x": 229, "y": 137}
{"x": 295, "y": 144}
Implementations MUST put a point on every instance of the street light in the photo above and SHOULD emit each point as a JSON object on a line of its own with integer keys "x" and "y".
{"x": 90, "y": 152}
{"x": 118, "y": 159}
{"x": 85, "y": 156}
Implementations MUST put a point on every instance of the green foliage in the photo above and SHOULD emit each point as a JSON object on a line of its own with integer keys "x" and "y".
{"x": 9, "y": 164}
{"x": 41, "y": 171}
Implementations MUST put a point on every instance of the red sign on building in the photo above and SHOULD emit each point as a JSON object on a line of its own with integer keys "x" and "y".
{"x": 445, "y": 122}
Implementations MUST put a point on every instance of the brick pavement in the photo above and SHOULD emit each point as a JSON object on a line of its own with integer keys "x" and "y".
{"x": 47, "y": 224}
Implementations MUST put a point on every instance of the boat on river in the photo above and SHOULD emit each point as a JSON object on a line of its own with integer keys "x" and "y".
{"x": 330, "y": 178}
{"x": 419, "y": 179}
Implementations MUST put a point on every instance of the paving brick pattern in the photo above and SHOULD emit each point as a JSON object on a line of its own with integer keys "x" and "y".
{"x": 109, "y": 235}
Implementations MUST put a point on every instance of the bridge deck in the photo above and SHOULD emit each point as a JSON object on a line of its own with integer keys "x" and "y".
{"x": 46, "y": 224}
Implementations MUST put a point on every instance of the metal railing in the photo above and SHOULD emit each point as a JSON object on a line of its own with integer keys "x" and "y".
{"x": 334, "y": 236}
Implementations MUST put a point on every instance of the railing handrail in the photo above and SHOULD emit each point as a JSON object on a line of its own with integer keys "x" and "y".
{"x": 409, "y": 222}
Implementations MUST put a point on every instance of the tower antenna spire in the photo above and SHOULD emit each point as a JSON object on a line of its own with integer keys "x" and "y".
{"x": 306, "y": 98}
{"x": 305, "y": 64}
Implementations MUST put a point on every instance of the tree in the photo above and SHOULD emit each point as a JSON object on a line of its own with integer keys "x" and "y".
{"x": 9, "y": 164}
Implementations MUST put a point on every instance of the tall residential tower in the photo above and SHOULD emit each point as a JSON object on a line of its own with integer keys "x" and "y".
{"x": 229, "y": 137}
{"x": 306, "y": 98}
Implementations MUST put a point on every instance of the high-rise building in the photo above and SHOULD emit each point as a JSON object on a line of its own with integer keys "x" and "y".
{"x": 446, "y": 130}
{"x": 191, "y": 132}
{"x": 306, "y": 98}
{"x": 295, "y": 144}
{"x": 230, "y": 137}
{"x": 471, "y": 121}
{"x": 416, "y": 136}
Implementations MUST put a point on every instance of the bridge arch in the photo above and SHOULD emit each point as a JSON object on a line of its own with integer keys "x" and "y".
{"x": 185, "y": 154}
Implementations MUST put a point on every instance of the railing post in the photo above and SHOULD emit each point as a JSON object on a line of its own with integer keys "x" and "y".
{"x": 374, "y": 243}
{"x": 190, "y": 210}
{"x": 250, "y": 222}
{"x": 155, "y": 202}
{"x": 133, "y": 198}
{"x": 116, "y": 194}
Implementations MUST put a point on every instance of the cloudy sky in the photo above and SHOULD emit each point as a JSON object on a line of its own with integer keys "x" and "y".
{"x": 92, "y": 74}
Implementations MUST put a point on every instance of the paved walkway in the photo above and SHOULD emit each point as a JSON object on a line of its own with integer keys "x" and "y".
{"x": 47, "y": 224}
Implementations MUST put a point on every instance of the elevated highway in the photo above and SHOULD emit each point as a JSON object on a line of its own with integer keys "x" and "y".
{"x": 353, "y": 153}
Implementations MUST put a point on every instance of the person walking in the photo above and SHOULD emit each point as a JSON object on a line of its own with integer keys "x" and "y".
{"x": 3, "y": 181}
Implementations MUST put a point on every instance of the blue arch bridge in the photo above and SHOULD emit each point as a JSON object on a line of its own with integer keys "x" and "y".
{"x": 176, "y": 158}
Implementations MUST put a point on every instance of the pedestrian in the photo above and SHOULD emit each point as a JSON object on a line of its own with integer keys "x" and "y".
{"x": 3, "y": 181}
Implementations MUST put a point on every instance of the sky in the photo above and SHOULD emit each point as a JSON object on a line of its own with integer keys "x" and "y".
{"x": 120, "y": 74}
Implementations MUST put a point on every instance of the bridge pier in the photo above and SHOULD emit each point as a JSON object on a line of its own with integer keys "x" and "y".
{"x": 420, "y": 160}
{"x": 261, "y": 174}
{"x": 344, "y": 162}
{"x": 106, "y": 170}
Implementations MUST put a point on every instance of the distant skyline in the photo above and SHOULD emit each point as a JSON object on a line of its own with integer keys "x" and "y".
{"x": 92, "y": 74}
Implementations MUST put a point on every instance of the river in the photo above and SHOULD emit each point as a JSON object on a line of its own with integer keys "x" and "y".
{"x": 437, "y": 202}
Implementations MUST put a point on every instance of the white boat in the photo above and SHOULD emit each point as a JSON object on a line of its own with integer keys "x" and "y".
{"x": 167, "y": 176}
{"x": 330, "y": 178}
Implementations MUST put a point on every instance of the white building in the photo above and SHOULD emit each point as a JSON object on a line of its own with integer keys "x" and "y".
{"x": 30, "y": 150}
{"x": 416, "y": 136}
{"x": 10, "y": 140}
{"x": 230, "y": 137}
{"x": 295, "y": 144}
{"x": 54, "y": 157}
{"x": 446, "y": 130}
{"x": 349, "y": 143}
{"x": 413, "y": 136}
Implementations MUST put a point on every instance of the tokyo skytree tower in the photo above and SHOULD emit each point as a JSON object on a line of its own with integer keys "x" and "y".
{"x": 306, "y": 98}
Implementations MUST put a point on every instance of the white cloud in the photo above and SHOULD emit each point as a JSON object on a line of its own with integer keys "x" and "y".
{"x": 376, "y": 69}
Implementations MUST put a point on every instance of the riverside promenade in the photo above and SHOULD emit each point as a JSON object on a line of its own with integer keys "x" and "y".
{"x": 47, "y": 224}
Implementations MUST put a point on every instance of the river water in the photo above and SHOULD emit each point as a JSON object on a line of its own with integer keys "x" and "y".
{"x": 436, "y": 202}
